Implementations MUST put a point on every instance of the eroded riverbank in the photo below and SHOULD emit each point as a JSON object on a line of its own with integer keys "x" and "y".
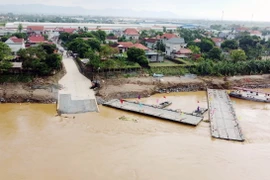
{"x": 146, "y": 86}
{"x": 41, "y": 91}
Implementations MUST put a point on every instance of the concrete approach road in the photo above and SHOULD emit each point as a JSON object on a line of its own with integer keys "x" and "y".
{"x": 75, "y": 95}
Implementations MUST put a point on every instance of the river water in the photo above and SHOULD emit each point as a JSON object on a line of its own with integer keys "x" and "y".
{"x": 35, "y": 144}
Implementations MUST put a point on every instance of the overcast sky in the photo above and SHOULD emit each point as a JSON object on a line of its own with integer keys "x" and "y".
{"x": 206, "y": 9}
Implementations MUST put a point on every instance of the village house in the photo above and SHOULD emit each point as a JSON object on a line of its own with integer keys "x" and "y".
{"x": 154, "y": 57}
{"x": 183, "y": 53}
{"x": 35, "y": 29}
{"x": 173, "y": 45}
{"x": 36, "y": 39}
{"x": 231, "y": 36}
{"x": 124, "y": 46}
{"x": 256, "y": 33}
{"x": 131, "y": 34}
{"x": 217, "y": 41}
{"x": 15, "y": 44}
{"x": 167, "y": 36}
{"x": 151, "y": 42}
{"x": 112, "y": 39}
{"x": 68, "y": 30}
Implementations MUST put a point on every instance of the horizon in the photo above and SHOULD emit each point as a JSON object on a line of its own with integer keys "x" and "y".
{"x": 193, "y": 10}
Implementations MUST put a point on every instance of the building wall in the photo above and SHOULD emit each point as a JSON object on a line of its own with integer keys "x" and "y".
{"x": 170, "y": 47}
{"x": 15, "y": 47}
{"x": 155, "y": 58}
{"x": 111, "y": 40}
{"x": 133, "y": 37}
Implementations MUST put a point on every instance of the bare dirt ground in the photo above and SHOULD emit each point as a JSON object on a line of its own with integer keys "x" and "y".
{"x": 146, "y": 86}
{"x": 43, "y": 90}
{"x": 40, "y": 90}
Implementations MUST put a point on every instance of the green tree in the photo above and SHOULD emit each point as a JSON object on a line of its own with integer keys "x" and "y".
{"x": 94, "y": 59}
{"x": 229, "y": 44}
{"x": 143, "y": 34}
{"x": 107, "y": 52}
{"x": 160, "y": 46}
{"x": 122, "y": 39}
{"x": 238, "y": 55}
{"x": 5, "y": 38}
{"x": 46, "y": 36}
{"x": 64, "y": 36}
{"x": 49, "y": 48}
{"x": 195, "y": 49}
{"x": 5, "y": 65}
{"x": 215, "y": 54}
{"x": 251, "y": 45}
{"x": 53, "y": 61}
{"x": 79, "y": 46}
{"x": 164, "y": 29}
{"x": 138, "y": 56}
{"x": 5, "y": 51}
{"x": 110, "y": 34}
{"x": 206, "y": 45}
{"x": 94, "y": 44}
{"x": 20, "y": 27}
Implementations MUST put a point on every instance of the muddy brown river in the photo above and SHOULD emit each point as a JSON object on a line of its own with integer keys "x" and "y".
{"x": 37, "y": 145}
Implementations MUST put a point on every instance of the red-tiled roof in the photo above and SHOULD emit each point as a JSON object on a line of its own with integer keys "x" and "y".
{"x": 125, "y": 44}
{"x": 140, "y": 46}
{"x": 184, "y": 51}
{"x": 35, "y": 28}
{"x": 16, "y": 40}
{"x": 36, "y": 39}
{"x": 168, "y": 36}
{"x": 242, "y": 29}
{"x": 131, "y": 31}
{"x": 217, "y": 40}
{"x": 150, "y": 40}
{"x": 256, "y": 32}
{"x": 69, "y": 30}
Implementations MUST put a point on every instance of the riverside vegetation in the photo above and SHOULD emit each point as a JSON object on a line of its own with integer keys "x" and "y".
{"x": 242, "y": 56}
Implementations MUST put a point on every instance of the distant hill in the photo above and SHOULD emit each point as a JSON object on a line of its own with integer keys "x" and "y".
{"x": 75, "y": 10}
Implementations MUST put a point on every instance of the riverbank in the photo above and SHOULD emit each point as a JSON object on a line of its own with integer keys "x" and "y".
{"x": 45, "y": 90}
{"x": 147, "y": 86}
{"x": 40, "y": 90}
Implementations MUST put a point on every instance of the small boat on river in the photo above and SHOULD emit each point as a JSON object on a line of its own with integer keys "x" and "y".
{"x": 164, "y": 104}
{"x": 250, "y": 94}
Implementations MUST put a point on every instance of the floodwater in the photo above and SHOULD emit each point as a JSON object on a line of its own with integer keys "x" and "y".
{"x": 37, "y": 145}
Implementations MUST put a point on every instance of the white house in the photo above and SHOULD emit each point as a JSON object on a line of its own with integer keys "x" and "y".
{"x": 217, "y": 41}
{"x": 167, "y": 36}
{"x": 231, "y": 37}
{"x": 174, "y": 45}
{"x": 15, "y": 44}
{"x": 131, "y": 33}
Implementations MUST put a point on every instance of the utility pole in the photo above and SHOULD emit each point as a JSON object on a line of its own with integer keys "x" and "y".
{"x": 222, "y": 16}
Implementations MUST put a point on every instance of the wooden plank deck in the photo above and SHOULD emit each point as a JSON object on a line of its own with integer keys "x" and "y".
{"x": 223, "y": 121}
{"x": 167, "y": 114}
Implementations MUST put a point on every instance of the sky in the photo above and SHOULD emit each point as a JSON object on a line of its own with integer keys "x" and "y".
{"x": 249, "y": 10}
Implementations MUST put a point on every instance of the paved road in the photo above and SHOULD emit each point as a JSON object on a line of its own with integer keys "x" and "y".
{"x": 75, "y": 97}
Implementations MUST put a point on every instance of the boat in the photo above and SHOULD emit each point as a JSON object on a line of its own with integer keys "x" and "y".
{"x": 164, "y": 104}
{"x": 250, "y": 94}
{"x": 158, "y": 75}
